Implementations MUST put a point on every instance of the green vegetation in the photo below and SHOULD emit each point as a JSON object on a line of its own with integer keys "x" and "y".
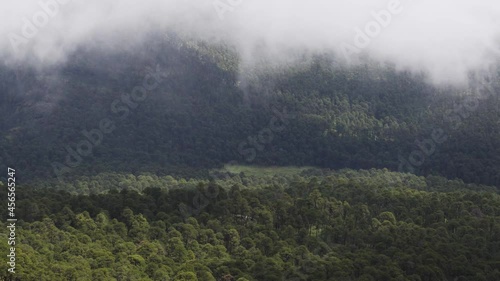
{"x": 202, "y": 114}
{"x": 319, "y": 225}
{"x": 159, "y": 197}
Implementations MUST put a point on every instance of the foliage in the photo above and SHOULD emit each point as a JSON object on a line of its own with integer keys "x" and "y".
{"x": 360, "y": 117}
{"x": 320, "y": 225}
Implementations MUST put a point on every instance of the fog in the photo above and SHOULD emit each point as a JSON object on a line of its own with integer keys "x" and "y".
{"x": 444, "y": 38}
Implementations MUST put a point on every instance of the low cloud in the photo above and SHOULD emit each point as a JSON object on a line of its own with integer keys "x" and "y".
{"x": 443, "y": 38}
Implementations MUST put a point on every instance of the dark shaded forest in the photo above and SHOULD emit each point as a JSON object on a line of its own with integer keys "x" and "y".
{"x": 206, "y": 111}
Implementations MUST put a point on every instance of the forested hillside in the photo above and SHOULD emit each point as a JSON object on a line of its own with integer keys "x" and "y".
{"x": 177, "y": 159}
{"x": 316, "y": 225}
{"x": 233, "y": 140}
{"x": 207, "y": 109}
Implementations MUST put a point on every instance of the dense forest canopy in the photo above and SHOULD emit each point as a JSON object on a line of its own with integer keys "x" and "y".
{"x": 294, "y": 225}
{"x": 175, "y": 160}
{"x": 202, "y": 111}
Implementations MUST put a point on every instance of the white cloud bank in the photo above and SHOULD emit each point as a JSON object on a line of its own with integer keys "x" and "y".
{"x": 442, "y": 37}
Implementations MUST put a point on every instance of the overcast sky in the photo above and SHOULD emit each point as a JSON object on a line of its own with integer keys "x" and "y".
{"x": 443, "y": 37}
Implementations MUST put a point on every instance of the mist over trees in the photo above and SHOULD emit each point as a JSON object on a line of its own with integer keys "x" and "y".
{"x": 238, "y": 141}
{"x": 203, "y": 113}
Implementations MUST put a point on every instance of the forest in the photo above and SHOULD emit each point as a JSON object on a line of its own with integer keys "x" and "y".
{"x": 224, "y": 171}
{"x": 208, "y": 109}
{"x": 299, "y": 225}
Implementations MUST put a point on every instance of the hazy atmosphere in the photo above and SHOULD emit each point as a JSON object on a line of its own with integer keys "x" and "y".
{"x": 444, "y": 38}
{"x": 250, "y": 140}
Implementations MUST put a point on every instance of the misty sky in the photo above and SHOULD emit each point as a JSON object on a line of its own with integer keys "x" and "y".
{"x": 443, "y": 37}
